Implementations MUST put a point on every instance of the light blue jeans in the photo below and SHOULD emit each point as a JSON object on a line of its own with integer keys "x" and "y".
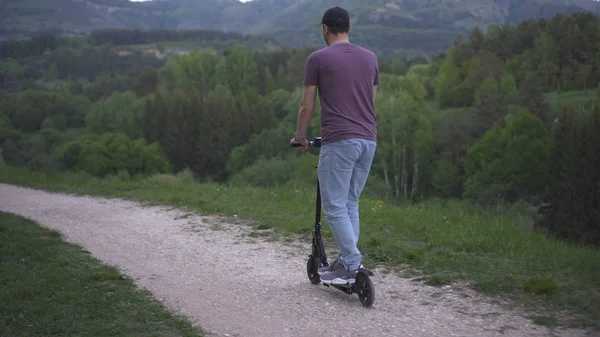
{"x": 343, "y": 171}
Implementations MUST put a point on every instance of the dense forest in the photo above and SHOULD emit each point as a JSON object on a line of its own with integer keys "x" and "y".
{"x": 474, "y": 123}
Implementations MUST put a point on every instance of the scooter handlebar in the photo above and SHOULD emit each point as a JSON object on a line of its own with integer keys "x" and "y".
{"x": 314, "y": 142}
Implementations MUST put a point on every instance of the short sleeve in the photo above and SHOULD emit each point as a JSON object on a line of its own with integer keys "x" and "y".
{"x": 311, "y": 70}
{"x": 376, "y": 79}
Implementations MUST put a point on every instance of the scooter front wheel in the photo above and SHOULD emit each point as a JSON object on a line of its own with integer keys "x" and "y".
{"x": 312, "y": 268}
{"x": 365, "y": 289}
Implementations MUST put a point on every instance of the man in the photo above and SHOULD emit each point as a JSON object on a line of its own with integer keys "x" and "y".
{"x": 346, "y": 77}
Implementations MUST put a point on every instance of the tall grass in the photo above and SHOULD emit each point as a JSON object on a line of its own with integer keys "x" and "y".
{"x": 444, "y": 241}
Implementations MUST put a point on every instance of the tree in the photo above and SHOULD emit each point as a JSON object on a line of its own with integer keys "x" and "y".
{"x": 398, "y": 67}
{"x": 445, "y": 179}
{"x": 406, "y": 142}
{"x": 120, "y": 112}
{"x": 490, "y": 107}
{"x": 531, "y": 96}
{"x": 237, "y": 69}
{"x": 486, "y": 64}
{"x": 147, "y": 82}
{"x": 462, "y": 51}
{"x": 492, "y": 41}
{"x": 448, "y": 77}
{"x": 476, "y": 39}
{"x": 196, "y": 71}
{"x": 508, "y": 163}
{"x": 573, "y": 180}
{"x": 508, "y": 87}
{"x": 154, "y": 117}
{"x": 52, "y": 73}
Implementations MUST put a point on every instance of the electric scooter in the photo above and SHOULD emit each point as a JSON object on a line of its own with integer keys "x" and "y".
{"x": 363, "y": 286}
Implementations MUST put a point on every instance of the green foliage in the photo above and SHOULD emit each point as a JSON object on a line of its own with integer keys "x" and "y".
{"x": 545, "y": 56}
{"x": 289, "y": 169}
{"x": 55, "y": 122}
{"x": 451, "y": 87}
{"x": 120, "y": 112}
{"x": 268, "y": 144}
{"x": 265, "y": 173}
{"x": 406, "y": 141}
{"x": 27, "y": 110}
{"x": 33, "y": 150}
{"x": 445, "y": 180}
{"x": 5, "y": 122}
{"x": 198, "y": 129}
{"x": 237, "y": 70}
{"x": 196, "y": 70}
{"x": 573, "y": 179}
{"x": 182, "y": 178}
{"x": 490, "y": 106}
{"x": 111, "y": 153}
{"x": 459, "y": 96}
{"x": 11, "y": 142}
{"x": 277, "y": 100}
{"x": 508, "y": 163}
{"x": 531, "y": 97}
{"x": 508, "y": 88}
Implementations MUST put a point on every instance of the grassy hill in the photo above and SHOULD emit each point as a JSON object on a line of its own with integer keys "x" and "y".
{"x": 383, "y": 25}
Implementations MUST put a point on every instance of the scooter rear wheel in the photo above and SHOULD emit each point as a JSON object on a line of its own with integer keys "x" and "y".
{"x": 312, "y": 267}
{"x": 365, "y": 289}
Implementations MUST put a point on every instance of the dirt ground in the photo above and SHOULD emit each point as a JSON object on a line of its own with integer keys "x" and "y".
{"x": 232, "y": 284}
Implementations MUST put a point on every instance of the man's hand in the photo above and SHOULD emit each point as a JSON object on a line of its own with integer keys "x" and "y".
{"x": 301, "y": 145}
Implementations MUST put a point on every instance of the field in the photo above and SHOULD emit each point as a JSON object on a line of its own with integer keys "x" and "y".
{"x": 50, "y": 287}
{"x": 185, "y": 47}
{"x": 442, "y": 242}
{"x": 558, "y": 100}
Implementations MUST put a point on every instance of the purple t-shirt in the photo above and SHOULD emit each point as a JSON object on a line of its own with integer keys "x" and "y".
{"x": 345, "y": 75}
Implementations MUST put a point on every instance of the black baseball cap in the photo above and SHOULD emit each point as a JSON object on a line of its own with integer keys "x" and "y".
{"x": 336, "y": 17}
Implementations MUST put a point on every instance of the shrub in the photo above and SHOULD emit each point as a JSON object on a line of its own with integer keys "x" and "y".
{"x": 112, "y": 153}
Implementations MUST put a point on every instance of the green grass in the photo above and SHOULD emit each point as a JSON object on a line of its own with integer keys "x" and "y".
{"x": 558, "y": 100}
{"x": 445, "y": 242}
{"x": 50, "y": 287}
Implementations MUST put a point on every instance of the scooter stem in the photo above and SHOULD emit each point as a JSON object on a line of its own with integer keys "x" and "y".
{"x": 318, "y": 209}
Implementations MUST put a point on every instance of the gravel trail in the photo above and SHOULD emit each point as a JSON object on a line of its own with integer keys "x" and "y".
{"x": 232, "y": 284}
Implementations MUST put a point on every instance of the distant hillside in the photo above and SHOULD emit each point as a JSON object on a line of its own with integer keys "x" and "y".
{"x": 384, "y": 25}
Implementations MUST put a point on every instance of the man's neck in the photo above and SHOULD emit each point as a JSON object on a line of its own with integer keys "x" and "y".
{"x": 340, "y": 39}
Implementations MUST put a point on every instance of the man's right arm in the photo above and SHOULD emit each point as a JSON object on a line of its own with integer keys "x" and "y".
{"x": 374, "y": 93}
{"x": 376, "y": 80}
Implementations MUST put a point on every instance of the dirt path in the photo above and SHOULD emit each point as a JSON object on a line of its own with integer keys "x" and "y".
{"x": 234, "y": 285}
